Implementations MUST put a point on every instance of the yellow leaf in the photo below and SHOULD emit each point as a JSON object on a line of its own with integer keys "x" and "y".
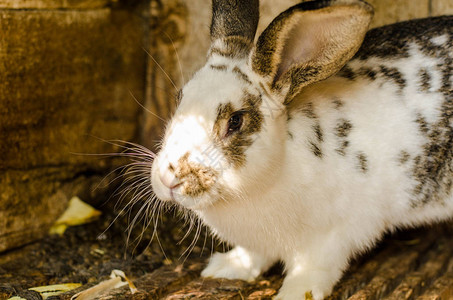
{"x": 77, "y": 213}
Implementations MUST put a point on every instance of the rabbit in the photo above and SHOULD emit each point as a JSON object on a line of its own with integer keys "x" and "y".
{"x": 308, "y": 144}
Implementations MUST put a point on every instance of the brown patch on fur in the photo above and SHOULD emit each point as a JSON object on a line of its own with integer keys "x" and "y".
{"x": 318, "y": 132}
{"x": 342, "y": 149}
{"x": 196, "y": 179}
{"x": 403, "y": 157}
{"x": 337, "y": 103}
{"x": 241, "y": 75}
{"x": 368, "y": 72}
{"x": 307, "y": 110}
{"x": 218, "y": 67}
{"x": 346, "y": 72}
{"x": 342, "y": 131}
{"x": 235, "y": 145}
{"x": 343, "y": 128}
{"x": 394, "y": 75}
{"x": 447, "y": 70}
{"x": 422, "y": 124}
{"x": 251, "y": 104}
{"x": 363, "y": 161}
{"x": 393, "y": 41}
{"x": 425, "y": 80}
{"x": 224, "y": 112}
{"x": 433, "y": 170}
{"x": 316, "y": 150}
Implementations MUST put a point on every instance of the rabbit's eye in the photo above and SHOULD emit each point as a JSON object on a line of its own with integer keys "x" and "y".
{"x": 235, "y": 122}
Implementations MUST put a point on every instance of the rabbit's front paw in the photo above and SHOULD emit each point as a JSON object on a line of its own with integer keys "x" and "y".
{"x": 235, "y": 264}
{"x": 299, "y": 292}
{"x": 296, "y": 290}
{"x": 309, "y": 285}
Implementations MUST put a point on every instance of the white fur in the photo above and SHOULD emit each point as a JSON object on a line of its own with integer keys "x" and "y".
{"x": 286, "y": 204}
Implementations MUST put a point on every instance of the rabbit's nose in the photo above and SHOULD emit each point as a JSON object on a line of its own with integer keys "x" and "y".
{"x": 169, "y": 178}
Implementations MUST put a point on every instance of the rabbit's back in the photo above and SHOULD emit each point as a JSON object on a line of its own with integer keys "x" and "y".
{"x": 387, "y": 116}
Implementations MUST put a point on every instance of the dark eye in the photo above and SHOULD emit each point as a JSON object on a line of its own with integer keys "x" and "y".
{"x": 235, "y": 122}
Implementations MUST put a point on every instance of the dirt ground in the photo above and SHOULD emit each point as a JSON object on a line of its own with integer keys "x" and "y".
{"x": 413, "y": 264}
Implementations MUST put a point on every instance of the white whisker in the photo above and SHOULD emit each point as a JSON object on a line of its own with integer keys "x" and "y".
{"x": 160, "y": 67}
{"x": 146, "y": 109}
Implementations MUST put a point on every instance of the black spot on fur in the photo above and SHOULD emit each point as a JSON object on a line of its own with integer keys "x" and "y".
{"x": 241, "y": 75}
{"x": 433, "y": 170}
{"x": 447, "y": 70}
{"x": 394, "y": 75}
{"x": 318, "y": 132}
{"x": 425, "y": 80}
{"x": 346, "y": 72}
{"x": 308, "y": 110}
{"x": 368, "y": 72}
{"x": 343, "y": 128}
{"x": 342, "y": 131}
{"x": 363, "y": 161}
{"x": 403, "y": 157}
{"x": 422, "y": 124}
{"x": 316, "y": 149}
{"x": 393, "y": 41}
{"x": 337, "y": 103}
{"x": 218, "y": 67}
{"x": 342, "y": 149}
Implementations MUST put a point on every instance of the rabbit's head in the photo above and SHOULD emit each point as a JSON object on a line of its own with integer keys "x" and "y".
{"x": 227, "y": 136}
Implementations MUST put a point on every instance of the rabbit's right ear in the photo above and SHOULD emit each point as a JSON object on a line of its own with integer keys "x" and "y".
{"x": 308, "y": 43}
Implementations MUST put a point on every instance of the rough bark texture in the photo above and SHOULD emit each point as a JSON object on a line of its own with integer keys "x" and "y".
{"x": 65, "y": 78}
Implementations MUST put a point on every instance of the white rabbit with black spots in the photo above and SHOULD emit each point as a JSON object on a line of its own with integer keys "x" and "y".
{"x": 309, "y": 144}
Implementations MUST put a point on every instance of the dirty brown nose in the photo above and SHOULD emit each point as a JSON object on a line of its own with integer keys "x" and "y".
{"x": 195, "y": 178}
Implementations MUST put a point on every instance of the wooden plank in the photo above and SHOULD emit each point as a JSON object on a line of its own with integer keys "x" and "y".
{"x": 434, "y": 265}
{"x": 441, "y": 289}
{"x": 391, "y": 11}
{"x": 54, "y": 4}
{"x": 65, "y": 78}
{"x": 392, "y": 270}
{"x": 441, "y": 7}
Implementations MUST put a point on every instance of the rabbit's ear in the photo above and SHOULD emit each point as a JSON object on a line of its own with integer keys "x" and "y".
{"x": 233, "y": 26}
{"x": 309, "y": 42}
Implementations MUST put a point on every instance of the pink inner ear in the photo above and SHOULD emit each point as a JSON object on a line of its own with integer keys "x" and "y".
{"x": 316, "y": 38}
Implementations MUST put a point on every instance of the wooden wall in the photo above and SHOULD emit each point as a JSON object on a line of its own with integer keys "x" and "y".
{"x": 66, "y": 72}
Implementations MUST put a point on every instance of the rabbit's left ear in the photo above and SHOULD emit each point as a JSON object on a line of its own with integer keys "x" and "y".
{"x": 308, "y": 43}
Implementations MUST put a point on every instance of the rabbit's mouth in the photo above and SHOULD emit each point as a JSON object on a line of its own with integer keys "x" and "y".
{"x": 186, "y": 183}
